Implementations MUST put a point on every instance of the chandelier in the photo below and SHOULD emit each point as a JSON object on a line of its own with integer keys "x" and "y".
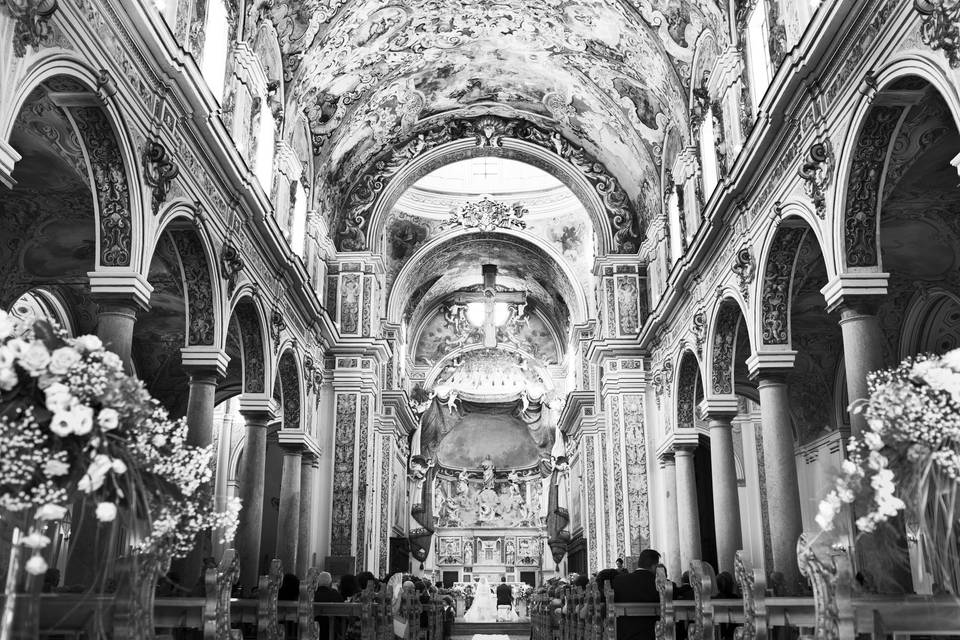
{"x": 31, "y": 18}
{"x": 486, "y": 215}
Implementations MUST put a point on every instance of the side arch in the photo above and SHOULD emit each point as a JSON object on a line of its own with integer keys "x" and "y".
{"x": 724, "y": 335}
{"x": 111, "y": 157}
{"x": 291, "y": 387}
{"x": 689, "y": 382}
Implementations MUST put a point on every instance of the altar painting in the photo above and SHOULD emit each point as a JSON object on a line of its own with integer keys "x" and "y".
{"x": 489, "y": 551}
{"x": 528, "y": 552}
{"x": 449, "y": 550}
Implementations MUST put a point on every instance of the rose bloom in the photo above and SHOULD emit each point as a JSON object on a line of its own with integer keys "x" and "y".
{"x": 8, "y": 378}
{"x": 36, "y": 565}
{"x": 35, "y": 358}
{"x": 62, "y": 359}
{"x": 59, "y": 397}
{"x": 108, "y": 419}
{"x": 7, "y": 356}
{"x": 51, "y": 512}
{"x": 88, "y": 343}
{"x": 106, "y": 512}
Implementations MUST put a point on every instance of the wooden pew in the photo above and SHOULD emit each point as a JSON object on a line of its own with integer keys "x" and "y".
{"x": 219, "y": 582}
{"x": 704, "y": 583}
{"x": 753, "y": 590}
{"x": 268, "y": 623}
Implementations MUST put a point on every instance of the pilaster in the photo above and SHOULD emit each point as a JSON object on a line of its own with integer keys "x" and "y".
{"x": 354, "y": 291}
{"x": 622, "y": 302}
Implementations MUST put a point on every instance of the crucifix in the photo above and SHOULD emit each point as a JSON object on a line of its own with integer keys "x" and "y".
{"x": 489, "y": 297}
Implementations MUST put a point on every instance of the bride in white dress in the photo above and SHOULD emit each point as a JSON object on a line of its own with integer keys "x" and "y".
{"x": 484, "y": 607}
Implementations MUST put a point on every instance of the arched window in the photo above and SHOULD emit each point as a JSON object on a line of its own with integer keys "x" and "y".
{"x": 216, "y": 46}
{"x": 265, "y": 147}
{"x": 708, "y": 155}
{"x": 676, "y": 229}
{"x": 758, "y": 54}
{"x": 298, "y": 223}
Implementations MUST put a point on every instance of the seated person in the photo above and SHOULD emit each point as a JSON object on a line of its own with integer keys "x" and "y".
{"x": 639, "y": 586}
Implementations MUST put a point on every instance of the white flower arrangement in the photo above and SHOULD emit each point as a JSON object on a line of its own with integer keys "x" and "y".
{"x": 74, "y": 425}
{"x": 908, "y": 458}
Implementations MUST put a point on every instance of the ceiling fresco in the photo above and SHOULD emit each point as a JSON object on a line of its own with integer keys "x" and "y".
{"x": 608, "y": 76}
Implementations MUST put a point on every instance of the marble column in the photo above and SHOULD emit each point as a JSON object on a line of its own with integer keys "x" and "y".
{"x": 855, "y": 297}
{"x": 726, "y": 501}
{"x": 305, "y": 542}
{"x": 783, "y": 492}
{"x": 205, "y": 365}
{"x": 258, "y": 413}
{"x": 119, "y": 297}
{"x": 688, "y": 515}
{"x": 862, "y": 340}
{"x": 668, "y": 473}
{"x": 288, "y": 522}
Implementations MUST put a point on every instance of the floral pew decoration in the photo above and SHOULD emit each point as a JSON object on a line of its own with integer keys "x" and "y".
{"x": 78, "y": 433}
{"x": 908, "y": 460}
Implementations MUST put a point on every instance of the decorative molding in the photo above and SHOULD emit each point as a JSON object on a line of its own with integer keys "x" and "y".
{"x": 30, "y": 27}
{"x": 817, "y": 174}
{"x": 724, "y": 348}
{"x": 699, "y": 322}
{"x": 627, "y": 225}
{"x": 158, "y": 171}
{"x": 277, "y": 325}
{"x": 863, "y": 185}
{"x": 940, "y": 27}
{"x": 777, "y": 280}
{"x": 487, "y": 215}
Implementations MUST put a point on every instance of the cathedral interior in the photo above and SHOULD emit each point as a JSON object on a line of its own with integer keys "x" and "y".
{"x": 428, "y": 272}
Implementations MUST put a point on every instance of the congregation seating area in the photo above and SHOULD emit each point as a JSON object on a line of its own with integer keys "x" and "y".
{"x": 832, "y": 609}
{"x": 133, "y": 611}
{"x": 558, "y": 611}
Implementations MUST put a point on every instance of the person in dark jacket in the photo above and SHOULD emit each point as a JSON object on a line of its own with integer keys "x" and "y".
{"x": 289, "y": 588}
{"x": 639, "y": 586}
{"x": 325, "y": 593}
{"x": 504, "y": 594}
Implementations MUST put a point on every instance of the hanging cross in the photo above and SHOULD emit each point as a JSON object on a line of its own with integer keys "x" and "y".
{"x": 489, "y": 297}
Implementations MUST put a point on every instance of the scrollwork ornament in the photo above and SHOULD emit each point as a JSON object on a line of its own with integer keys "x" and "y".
{"x": 817, "y": 173}
{"x": 775, "y": 301}
{"x": 488, "y": 215}
{"x": 277, "y": 325}
{"x": 940, "y": 27}
{"x": 231, "y": 264}
{"x": 31, "y": 18}
{"x": 744, "y": 269}
{"x": 700, "y": 329}
{"x": 159, "y": 171}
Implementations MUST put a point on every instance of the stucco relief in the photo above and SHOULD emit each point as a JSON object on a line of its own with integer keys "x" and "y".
{"x": 777, "y": 278}
{"x": 343, "y": 477}
{"x": 196, "y": 275}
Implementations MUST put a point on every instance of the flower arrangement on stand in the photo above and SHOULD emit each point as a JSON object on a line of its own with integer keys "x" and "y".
{"x": 76, "y": 429}
{"x": 908, "y": 460}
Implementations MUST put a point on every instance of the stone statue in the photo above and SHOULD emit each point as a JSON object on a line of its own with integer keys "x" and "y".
{"x": 488, "y": 473}
{"x": 467, "y": 554}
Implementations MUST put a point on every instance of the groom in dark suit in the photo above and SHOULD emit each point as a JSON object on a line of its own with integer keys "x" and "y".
{"x": 639, "y": 586}
{"x": 504, "y": 594}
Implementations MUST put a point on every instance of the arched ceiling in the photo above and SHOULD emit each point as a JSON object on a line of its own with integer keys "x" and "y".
{"x": 607, "y": 75}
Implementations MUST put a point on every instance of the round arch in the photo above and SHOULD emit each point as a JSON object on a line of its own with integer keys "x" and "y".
{"x": 689, "y": 374}
{"x": 857, "y": 229}
{"x": 435, "y": 371}
{"x": 404, "y": 282}
{"x": 617, "y": 223}
{"x": 205, "y": 307}
{"x": 773, "y": 286}
{"x": 291, "y": 387}
{"x": 723, "y": 334}
{"x": 254, "y": 340}
{"x": 105, "y": 137}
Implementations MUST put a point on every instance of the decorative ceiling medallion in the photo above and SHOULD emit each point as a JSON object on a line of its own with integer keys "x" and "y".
{"x": 627, "y": 224}
{"x": 487, "y": 215}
